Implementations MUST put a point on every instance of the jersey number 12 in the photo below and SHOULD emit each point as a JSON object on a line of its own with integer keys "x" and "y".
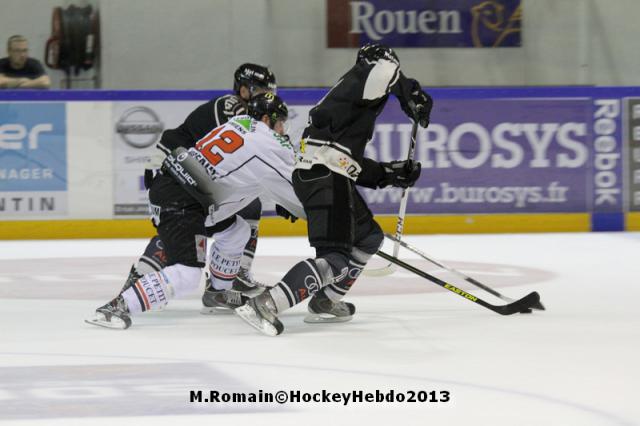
{"x": 227, "y": 141}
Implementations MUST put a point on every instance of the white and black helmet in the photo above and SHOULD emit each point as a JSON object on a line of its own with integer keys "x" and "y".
{"x": 373, "y": 52}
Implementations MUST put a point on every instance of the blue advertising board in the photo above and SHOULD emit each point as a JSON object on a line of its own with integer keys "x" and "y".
{"x": 33, "y": 158}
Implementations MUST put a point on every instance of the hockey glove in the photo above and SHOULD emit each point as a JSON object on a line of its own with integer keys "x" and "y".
{"x": 281, "y": 211}
{"x": 402, "y": 174}
{"x": 419, "y": 105}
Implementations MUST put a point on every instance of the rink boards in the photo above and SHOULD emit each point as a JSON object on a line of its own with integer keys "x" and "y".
{"x": 494, "y": 160}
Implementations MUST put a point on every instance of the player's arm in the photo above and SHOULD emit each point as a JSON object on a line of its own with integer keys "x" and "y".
{"x": 207, "y": 117}
{"x": 415, "y": 102}
{"x": 227, "y": 107}
{"x": 401, "y": 174}
{"x": 372, "y": 172}
{"x": 380, "y": 77}
{"x": 197, "y": 124}
{"x": 183, "y": 136}
{"x": 192, "y": 176}
{"x": 175, "y": 138}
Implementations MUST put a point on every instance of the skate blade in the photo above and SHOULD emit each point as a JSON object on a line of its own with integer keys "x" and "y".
{"x": 250, "y": 317}
{"x": 254, "y": 292}
{"x": 115, "y": 325}
{"x": 215, "y": 310}
{"x": 250, "y": 291}
{"x": 325, "y": 319}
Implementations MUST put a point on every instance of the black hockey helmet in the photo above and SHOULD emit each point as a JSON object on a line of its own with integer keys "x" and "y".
{"x": 372, "y": 52}
{"x": 254, "y": 76}
{"x": 270, "y": 105}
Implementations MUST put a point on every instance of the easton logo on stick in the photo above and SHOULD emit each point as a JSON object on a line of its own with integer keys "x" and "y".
{"x": 460, "y": 292}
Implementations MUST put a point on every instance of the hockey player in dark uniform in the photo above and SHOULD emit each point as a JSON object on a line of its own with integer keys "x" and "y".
{"x": 249, "y": 80}
{"x": 330, "y": 164}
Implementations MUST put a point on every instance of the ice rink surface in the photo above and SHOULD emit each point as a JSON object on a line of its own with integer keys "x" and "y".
{"x": 575, "y": 364}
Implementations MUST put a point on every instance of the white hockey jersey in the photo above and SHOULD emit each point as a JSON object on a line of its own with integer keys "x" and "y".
{"x": 246, "y": 160}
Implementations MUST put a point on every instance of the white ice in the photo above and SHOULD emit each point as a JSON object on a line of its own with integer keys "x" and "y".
{"x": 577, "y": 363}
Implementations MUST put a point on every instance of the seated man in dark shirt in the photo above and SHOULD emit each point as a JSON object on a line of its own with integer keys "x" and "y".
{"x": 19, "y": 71}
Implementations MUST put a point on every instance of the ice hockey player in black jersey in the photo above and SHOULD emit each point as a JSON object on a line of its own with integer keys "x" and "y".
{"x": 249, "y": 80}
{"x": 331, "y": 163}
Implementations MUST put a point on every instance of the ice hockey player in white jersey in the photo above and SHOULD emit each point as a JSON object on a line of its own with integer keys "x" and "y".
{"x": 249, "y": 80}
{"x": 208, "y": 184}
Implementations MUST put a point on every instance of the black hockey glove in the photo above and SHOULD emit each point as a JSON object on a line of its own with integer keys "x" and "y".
{"x": 402, "y": 174}
{"x": 281, "y": 211}
{"x": 419, "y": 105}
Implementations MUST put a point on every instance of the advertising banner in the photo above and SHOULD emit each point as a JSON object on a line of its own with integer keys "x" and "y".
{"x": 137, "y": 127}
{"x": 33, "y": 159}
{"x": 491, "y": 156}
{"x": 607, "y": 163}
{"x": 424, "y": 23}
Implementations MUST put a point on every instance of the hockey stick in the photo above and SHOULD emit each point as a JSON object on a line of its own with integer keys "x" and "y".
{"x": 539, "y": 306}
{"x": 520, "y": 305}
{"x": 390, "y": 268}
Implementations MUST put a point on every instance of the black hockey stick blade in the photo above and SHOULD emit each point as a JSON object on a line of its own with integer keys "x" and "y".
{"x": 515, "y": 307}
{"x": 536, "y": 305}
{"x": 539, "y": 306}
{"x": 526, "y": 302}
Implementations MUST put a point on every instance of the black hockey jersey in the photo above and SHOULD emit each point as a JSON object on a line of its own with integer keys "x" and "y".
{"x": 207, "y": 116}
{"x": 347, "y": 114}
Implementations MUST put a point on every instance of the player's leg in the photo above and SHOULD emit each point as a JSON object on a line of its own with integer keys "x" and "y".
{"x": 244, "y": 281}
{"x": 153, "y": 259}
{"x": 328, "y": 201}
{"x": 230, "y": 238}
{"x": 335, "y": 270}
{"x": 181, "y": 228}
{"x": 326, "y": 305}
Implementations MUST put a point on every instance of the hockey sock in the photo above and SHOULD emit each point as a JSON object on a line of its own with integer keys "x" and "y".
{"x": 342, "y": 270}
{"x": 223, "y": 268}
{"x": 226, "y": 252}
{"x": 150, "y": 292}
{"x": 337, "y": 289}
{"x": 153, "y": 259}
{"x": 154, "y": 290}
{"x": 302, "y": 281}
{"x": 250, "y": 249}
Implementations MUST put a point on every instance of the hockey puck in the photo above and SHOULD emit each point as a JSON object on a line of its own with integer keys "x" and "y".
{"x": 526, "y": 311}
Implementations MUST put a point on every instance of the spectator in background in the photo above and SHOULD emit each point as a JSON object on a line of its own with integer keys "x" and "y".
{"x": 18, "y": 70}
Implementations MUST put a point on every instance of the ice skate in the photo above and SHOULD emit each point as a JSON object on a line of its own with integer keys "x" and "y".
{"x": 221, "y": 301}
{"x": 114, "y": 314}
{"x": 260, "y": 312}
{"x": 246, "y": 284}
{"x": 324, "y": 310}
